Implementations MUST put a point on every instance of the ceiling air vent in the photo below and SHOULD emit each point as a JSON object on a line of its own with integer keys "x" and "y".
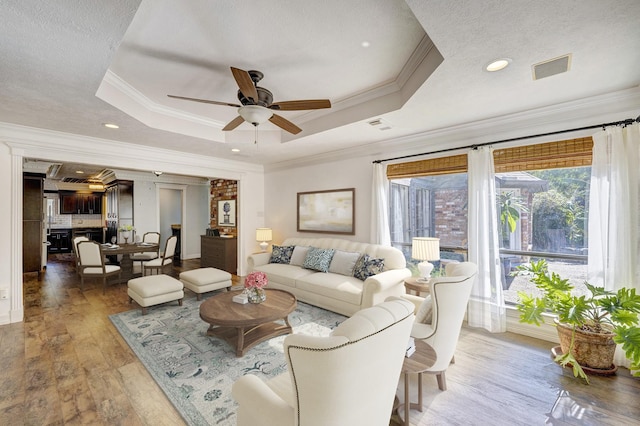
{"x": 551, "y": 67}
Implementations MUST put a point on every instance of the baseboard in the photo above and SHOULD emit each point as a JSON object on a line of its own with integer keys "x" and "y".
{"x": 546, "y": 331}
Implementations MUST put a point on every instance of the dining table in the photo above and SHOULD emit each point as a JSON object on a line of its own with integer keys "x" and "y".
{"x": 126, "y": 250}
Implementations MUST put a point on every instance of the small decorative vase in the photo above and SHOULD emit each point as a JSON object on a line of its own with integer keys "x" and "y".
{"x": 256, "y": 295}
{"x": 126, "y": 236}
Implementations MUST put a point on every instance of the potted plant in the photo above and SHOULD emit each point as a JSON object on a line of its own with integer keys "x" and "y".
{"x": 605, "y": 317}
{"x": 126, "y": 231}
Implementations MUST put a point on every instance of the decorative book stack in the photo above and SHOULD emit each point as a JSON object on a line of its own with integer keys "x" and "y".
{"x": 411, "y": 347}
{"x": 241, "y": 298}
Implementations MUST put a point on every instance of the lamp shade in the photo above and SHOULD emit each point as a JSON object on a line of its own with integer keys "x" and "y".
{"x": 263, "y": 234}
{"x": 425, "y": 248}
{"x": 255, "y": 114}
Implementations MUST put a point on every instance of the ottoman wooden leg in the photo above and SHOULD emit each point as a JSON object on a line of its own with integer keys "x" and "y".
{"x": 179, "y": 302}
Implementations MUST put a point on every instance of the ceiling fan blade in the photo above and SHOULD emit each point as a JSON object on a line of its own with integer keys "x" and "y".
{"x": 301, "y": 105}
{"x": 205, "y": 101}
{"x": 245, "y": 83}
{"x": 285, "y": 124}
{"x": 233, "y": 123}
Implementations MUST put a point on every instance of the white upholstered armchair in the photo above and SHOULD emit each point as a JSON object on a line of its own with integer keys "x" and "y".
{"x": 439, "y": 316}
{"x": 349, "y": 378}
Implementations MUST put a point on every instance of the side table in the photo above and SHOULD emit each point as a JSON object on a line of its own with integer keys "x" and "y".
{"x": 422, "y": 359}
{"x": 414, "y": 284}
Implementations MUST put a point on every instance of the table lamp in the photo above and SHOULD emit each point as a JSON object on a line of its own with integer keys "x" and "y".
{"x": 264, "y": 235}
{"x": 425, "y": 249}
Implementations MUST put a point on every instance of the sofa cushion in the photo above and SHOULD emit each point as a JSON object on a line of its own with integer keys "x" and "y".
{"x": 281, "y": 254}
{"x": 318, "y": 259}
{"x": 334, "y": 286}
{"x": 283, "y": 274}
{"x": 367, "y": 266}
{"x": 343, "y": 262}
{"x": 299, "y": 255}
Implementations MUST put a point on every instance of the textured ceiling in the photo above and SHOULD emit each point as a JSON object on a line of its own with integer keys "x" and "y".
{"x": 56, "y": 56}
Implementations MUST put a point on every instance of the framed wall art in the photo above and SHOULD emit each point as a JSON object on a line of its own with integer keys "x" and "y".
{"x": 330, "y": 212}
{"x": 227, "y": 213}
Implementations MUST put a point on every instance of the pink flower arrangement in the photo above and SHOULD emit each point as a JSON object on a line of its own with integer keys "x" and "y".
{"x": 255, "y": 280}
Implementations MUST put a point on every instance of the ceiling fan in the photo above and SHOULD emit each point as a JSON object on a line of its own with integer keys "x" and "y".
{"x": 257, "y": 103}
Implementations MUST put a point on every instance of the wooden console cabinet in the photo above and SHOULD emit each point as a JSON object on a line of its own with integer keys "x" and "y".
{"x": 219, "y": 253}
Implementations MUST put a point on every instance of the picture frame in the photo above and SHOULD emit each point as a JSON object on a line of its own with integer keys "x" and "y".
{"x": 227, "y": 213}
{"x": 327, "y": 212}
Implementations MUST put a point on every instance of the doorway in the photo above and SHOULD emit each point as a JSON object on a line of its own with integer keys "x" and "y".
{"x": 170, "y": 211}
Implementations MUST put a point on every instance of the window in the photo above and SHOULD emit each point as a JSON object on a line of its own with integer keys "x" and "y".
{"x": 552, "y": 225}
{"x": 542, "y": 204}
{"x": 430, "y": 206}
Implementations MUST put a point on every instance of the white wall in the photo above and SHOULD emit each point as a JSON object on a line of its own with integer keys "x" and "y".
{"x": 6, "y": 248}
{"x": 145, "y": 213}
{"x": 281, "y": 188}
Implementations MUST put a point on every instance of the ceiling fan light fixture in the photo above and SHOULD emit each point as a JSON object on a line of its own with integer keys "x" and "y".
{"x": 255, "y": 114}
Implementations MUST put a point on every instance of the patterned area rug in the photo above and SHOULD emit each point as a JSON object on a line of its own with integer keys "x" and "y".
{"x": 196, "y": 371}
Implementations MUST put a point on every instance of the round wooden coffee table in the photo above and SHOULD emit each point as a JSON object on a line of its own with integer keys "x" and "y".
{"x": 244, "y": 326}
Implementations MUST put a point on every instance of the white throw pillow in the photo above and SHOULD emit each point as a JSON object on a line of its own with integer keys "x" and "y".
{"x": 343, "y": 262}
{"x": 425, "y": 311}
{"x": 299, "y": 255}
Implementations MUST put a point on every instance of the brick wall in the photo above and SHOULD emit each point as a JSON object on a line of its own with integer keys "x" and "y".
{"x": 450, "y": 216}
{"x": 222, "y": 189}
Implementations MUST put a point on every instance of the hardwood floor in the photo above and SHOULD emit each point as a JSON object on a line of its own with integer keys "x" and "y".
{"x": 66, "y": 364}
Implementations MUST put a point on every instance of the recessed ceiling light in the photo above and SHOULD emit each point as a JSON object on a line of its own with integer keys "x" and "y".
{"x": 79, "y": 172}
{"x": 498, "y": 64}
{"x": 365, "y": 44}
{"x": 235, "y": 150}
{"x": 111, "y": 125}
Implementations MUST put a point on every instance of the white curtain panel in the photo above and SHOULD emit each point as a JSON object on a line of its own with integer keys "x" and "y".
{"x": 380, "y": 206}
{"x": 486, "y": 305}
{"x": 613, "y": 211}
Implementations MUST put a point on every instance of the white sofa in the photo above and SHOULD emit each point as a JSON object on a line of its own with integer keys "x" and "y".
{"x": 336, "y": 290}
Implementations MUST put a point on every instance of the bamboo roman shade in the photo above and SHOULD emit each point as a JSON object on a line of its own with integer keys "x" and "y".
{"x": 434, "y": 166}
{"x": 551, "y": 155}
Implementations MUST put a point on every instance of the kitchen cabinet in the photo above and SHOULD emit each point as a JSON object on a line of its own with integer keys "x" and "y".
{"x": 59, "y": 241}
{"x": 93, "y": 234}
{"x": 219, "y": 253}
{"x": 80, "y": 203}
{"x": 32, "y": 217}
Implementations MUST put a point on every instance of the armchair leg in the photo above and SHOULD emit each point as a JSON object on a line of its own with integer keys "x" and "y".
{"x": 442, "y": 381}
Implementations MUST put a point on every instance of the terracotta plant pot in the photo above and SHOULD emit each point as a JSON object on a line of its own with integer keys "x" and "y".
{"x": 593, "y": 350}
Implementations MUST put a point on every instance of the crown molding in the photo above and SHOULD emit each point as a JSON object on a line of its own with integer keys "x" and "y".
{"x": 52, "y": 145}
{"x": 594, "y": 110}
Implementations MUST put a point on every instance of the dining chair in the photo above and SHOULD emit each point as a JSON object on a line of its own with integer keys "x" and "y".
{"x": 160, "y": 263}
{"x": 148, "y": 238}
{"x": 74, "y": 247}
{"x": 92, "y": 264}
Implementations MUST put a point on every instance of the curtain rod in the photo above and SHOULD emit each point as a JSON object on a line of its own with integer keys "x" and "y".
{"x": 626, "y": 122}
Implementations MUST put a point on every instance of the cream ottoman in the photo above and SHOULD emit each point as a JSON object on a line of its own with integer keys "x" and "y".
{"x": 154, "y": 289}
{"x": 205, "y": 279}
